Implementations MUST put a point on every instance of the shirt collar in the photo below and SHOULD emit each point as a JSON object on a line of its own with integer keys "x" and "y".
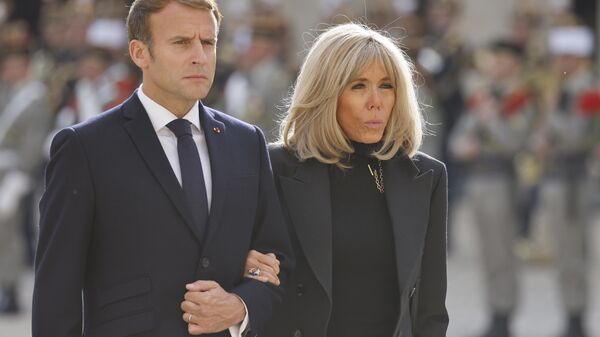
{"x": 160, "y": 116}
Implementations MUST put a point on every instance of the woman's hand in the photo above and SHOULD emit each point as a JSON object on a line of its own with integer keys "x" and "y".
{"x": 262, "y": 267}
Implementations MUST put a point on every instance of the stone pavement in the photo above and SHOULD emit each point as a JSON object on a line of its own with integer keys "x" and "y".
{"x": 538, "y": 315}
{"x": 539, "y": 312}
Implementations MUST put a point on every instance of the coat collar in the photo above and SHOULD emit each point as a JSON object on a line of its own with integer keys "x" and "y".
{"x": 307, "y": 196}
{"x": 408, "y": 196}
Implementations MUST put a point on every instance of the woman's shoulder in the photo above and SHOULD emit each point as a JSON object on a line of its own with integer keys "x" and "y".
{"x": 426, "y": 162}
{"x": 278, "y": 152}
{"x": 281, "y": 158}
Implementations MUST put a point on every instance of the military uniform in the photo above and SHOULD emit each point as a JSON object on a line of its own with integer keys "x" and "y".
{"x": 24, "y": 123}
{"x": 494, "y": 138}
{"x": 564, "y": 194}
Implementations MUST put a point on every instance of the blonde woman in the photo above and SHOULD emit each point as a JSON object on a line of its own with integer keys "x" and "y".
{"x": 365, "y": 209}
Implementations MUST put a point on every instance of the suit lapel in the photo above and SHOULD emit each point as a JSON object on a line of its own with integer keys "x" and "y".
{"x": 219, "y": 153}
{"x": 144, "y": 137}
{"x": 307, "y": 197}
{"x": 408, "y": 193}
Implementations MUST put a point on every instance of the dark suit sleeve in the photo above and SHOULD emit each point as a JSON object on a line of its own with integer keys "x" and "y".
{"x": 66, "y": 213}
{"x": 431, "y": 315}
{"x": 269, "y": 235}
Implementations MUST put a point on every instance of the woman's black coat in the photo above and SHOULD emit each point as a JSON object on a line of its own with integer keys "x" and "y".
{"x": 416, "y": 193}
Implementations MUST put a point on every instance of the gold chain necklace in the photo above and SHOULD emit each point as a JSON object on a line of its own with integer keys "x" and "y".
{"x": 378, "y": 176}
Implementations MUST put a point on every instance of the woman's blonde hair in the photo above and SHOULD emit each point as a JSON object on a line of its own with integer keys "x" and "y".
{"x": 310, "y": 128}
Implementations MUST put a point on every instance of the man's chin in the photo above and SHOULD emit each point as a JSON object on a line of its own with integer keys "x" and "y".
{"x": 197, "y": 95}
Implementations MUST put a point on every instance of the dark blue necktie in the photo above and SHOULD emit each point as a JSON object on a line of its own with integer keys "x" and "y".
{"x": 192, "y": 179}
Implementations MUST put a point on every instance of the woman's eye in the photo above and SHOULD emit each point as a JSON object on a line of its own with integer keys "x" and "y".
{"x": 358, "y": 86}
{"x": 387, "y": 86}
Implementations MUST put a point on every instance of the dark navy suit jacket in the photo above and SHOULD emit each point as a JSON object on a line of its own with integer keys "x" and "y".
{"x": 117, "y": 244}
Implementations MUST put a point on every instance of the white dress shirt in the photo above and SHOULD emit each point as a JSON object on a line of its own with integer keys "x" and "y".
{"x": 160, "y": 117}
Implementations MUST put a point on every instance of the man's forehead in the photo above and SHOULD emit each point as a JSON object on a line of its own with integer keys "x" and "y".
{"x": 180, "y": 11}
{"x": 189, "y": 22}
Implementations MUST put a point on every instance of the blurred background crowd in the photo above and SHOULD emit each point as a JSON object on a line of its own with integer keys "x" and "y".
{"x": 509, "y": 89}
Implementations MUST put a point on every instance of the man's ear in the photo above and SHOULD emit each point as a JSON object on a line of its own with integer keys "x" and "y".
{"x": 140, "y": 54}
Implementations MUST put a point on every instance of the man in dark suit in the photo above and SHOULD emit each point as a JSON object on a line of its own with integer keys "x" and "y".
{"x": 155, "y": 194}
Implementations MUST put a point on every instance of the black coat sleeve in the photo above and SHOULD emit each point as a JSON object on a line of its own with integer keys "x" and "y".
{"x": 66, "y": 215}
{"x": 431, "y": 315}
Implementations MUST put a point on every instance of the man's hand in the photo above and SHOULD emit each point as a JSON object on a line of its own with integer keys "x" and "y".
{"x": 262, "y": 267}
{"x": 208, "y": 308}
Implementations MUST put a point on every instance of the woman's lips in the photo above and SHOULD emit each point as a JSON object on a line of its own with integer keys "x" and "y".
{"x": 374, "y": 124}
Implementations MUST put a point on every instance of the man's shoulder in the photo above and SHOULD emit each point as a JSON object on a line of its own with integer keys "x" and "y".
{"x": 92, "y": 132}
{"x": 95, "y": 129}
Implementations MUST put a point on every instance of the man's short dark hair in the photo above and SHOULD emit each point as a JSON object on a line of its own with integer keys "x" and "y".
{"x": 138, "y": 20}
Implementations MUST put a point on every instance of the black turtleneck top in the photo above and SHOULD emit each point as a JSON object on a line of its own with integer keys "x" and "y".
{"x": 365, "y": 284}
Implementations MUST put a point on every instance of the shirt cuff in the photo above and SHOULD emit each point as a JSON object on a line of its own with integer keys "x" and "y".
{"x": 238, "y": 329}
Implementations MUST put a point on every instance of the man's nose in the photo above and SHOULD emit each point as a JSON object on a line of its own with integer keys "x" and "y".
{"x": 199, "y": 54}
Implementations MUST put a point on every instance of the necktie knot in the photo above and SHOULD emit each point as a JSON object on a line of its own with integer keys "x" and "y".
{"x": 180, "y": 127}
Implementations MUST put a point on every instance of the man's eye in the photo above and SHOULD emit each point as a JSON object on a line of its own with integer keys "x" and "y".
{"x": 181, "y": 42}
